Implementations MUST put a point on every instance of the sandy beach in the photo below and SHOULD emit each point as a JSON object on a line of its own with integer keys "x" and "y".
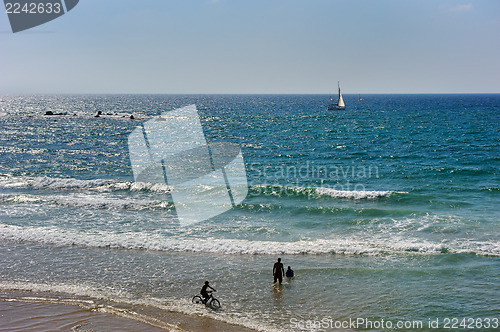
{"x": 55, "y": 312}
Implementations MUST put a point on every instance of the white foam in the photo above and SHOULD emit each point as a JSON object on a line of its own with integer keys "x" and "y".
{"x": 100, "y": 185}
{"x": 21, "y": 198}
{"x": 353, "y": 194}
{"x": 74, "y": 289}
{"x": 315, "y": 192}
{"x": 353, "y": 245}
{"x": 108, "y": 185}
{"x": 8, "y": 182}
{"x": 88, "y": 201}
{"x": 154, "y": 187}
{"x": 99, "y": 202}
{"x": 50, "y": 183}
{"x": 66, "y": 183}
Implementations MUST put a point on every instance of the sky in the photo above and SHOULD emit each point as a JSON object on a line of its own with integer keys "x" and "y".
{"x": 257, "y": 47}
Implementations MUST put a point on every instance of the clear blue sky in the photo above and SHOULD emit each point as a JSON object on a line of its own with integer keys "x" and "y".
{"x": 258, "y": 46}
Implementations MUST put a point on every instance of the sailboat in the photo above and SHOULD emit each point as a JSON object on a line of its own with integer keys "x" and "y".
{"x": 340, "y": 103}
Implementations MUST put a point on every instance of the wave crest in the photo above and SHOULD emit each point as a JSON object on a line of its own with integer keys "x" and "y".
{"x": 316, "y": 192}
{"x": 108, "y": 185}
{"x": 156, "y": 241}
{"x": 71, "y": 184}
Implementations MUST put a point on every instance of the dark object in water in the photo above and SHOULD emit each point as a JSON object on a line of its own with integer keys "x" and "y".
{"x": 52, "y": 113}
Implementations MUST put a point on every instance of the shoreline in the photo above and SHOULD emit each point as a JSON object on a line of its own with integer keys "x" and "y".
{"x": 39, "y": 311}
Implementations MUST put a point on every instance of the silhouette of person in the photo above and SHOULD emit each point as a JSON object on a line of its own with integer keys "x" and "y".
{"x": 278, "y": 271}
{"x": 204, "y": 292}
{"x": 289, "y": 273}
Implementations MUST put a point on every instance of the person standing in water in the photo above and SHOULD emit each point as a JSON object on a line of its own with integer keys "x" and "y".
{"x": 278, "y": 271}
{"x": 289, "y": 273}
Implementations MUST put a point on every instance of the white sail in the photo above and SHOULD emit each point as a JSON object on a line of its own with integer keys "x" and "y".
{"x": 341, "y": 100}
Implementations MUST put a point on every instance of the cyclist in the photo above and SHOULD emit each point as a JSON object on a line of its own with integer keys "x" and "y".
{"x": 204, "y": 292}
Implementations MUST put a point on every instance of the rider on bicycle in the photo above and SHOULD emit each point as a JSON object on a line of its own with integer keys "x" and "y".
{"x": 204, "y": 292}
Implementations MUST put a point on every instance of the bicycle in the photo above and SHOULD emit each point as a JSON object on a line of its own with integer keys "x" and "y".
{"x": 211, "y": 301}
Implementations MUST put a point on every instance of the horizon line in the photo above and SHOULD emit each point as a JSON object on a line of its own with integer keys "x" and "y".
{"x": 238, "y": 94}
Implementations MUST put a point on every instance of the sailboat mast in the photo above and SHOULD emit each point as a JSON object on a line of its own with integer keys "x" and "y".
{"x": 340, "y": 103}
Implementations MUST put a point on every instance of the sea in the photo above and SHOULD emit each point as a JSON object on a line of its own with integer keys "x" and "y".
{"x": 388, "y": 211}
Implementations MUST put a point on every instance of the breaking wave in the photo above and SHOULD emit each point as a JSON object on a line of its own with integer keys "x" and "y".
{"x": 100, "y": 185}
{"x": 108, "y": 185}
{"x": 88, "y": 201}
{"x": 317, "y": 192}
{"x": 352, "y": 245}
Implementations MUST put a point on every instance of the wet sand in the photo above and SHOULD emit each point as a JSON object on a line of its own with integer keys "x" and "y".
{"x": 37, "y": 313}
{"x": 44, "y": 317}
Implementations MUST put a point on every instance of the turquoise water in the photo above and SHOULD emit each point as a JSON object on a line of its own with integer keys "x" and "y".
{"x": 388, "y": 210}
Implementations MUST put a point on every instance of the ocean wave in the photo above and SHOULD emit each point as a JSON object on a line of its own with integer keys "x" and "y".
{"x": 21, "y": 198}
{"x": 8, "y": 182}
{"x": 112, "y": 194}
{"x": 68, "y": 184}
{"x": 317, "y": 192}
{"x": 361, "y": 194}
{"x": 352, "y": 245}
{"x": 110, "y": 185}
{"x": 100, "y": 185}
{"x": 100, "y": 201}
{"x": 89, "y": 201}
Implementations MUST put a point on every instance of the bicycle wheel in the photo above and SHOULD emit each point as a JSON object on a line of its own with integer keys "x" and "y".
{"x": 197, "y": 299}
{"x": 215, "y": 304}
